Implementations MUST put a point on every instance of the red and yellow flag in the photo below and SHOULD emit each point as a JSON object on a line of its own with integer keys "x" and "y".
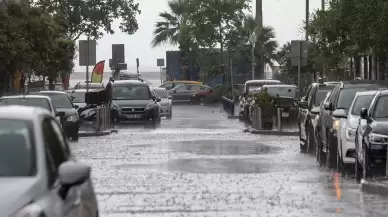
{"x": 98, "y": 72}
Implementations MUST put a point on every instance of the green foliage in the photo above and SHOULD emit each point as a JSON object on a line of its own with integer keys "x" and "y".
{"x": 263, "y": 100}
{"x": 92, "y": 17}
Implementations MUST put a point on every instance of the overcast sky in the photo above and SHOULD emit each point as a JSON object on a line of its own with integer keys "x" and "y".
{"x": 285, "y": 16}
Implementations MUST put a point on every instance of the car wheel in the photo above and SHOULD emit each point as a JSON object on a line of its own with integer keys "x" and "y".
{"x": 331, "y": 155}
{"x": 320, "y": 154}
{"x": 75, "y": 137}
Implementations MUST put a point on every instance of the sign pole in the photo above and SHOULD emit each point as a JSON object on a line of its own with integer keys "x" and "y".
{"x": 87, "y": 66}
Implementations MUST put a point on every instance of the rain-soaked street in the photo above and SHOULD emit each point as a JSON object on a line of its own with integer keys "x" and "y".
{"x": 202, "y": 164}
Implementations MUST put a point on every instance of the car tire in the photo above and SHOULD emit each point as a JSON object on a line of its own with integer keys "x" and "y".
{"x": 340, "y": 163}
{"x": 331, "y": 155}
{"x": 75, "y": 136}
{"x": 310, "y": 142}
{"x": 202, "y": 101}
{"x": 319, "y": 152}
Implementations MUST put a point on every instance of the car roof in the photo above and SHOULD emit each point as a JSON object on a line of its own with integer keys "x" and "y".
{"x": 21, "y": 112}
{"x": 50, "y": 91}
{"x": 32, "y": 96}
{"x": 157, "y": 88}
{"x": 264, "y": 81}
{"x": 327, "y": 83}
{"x": 364, "y": 83}
{"x": 77, "y": 91}
{"x": 366, "y": 93}
{"x": 183, "y": 81}
{"x": 122, "y": 82}
{"x": 279, "y": 85}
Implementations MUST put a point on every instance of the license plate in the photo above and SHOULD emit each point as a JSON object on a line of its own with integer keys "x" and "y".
{"x": 285, "y": 114}
{"x": 134, "y": 116}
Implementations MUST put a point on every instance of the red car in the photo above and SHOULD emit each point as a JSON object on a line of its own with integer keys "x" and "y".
{"x": 202, "y": 94}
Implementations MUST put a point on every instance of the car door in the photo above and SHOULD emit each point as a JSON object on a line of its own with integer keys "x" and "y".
{"x": 167, "y": 86}
{"x": 58, "y": 152}
{"x": 327, "y": 123}
{"x": 179, "y": 93}
{"x": 192, "y": 88}
{"x": 303, "y": 114}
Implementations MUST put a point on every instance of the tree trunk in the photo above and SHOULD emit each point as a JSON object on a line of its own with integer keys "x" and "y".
{"x": 259, "y": 71}
{"x": 51, "y": 84}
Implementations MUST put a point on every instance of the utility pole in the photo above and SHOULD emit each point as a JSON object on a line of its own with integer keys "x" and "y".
{"x": 323, "y": 65}
{"x": 307, "y": 18}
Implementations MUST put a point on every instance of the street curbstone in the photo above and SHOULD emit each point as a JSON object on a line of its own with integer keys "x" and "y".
{"x": 274, "y": 132}
{"x": 375, "y": 187}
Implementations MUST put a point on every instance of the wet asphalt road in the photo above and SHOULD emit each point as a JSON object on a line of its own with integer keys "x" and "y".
{"x": 202, "y": 164}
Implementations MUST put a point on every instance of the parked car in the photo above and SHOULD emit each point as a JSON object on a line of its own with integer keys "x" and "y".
{"x": 135, "y": 101}
{"x": 92, "y": 86}
{"x": 371, "y": 137}
{"x": 308, "y": 110}
{"x": 340, "y": 99}
{"x": 346, "y": 145}
{"x": 63, "y": 103}
{"x": 165, "y": 102}
{"x": 40, "y": 175}
{"x": 250, "y": 87}
{"x": 168, "y": 85}
{"x": 184, "y": 92}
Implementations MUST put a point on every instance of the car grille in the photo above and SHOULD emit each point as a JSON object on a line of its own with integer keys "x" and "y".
{"x": 132, "y": 110}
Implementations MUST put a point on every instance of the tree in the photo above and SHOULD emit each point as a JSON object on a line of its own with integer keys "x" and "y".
{"x": 92, "y": 17}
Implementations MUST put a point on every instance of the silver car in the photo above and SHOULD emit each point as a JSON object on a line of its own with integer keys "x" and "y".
{"x": 39, "y": 175}
{"x": 165, "y": 103}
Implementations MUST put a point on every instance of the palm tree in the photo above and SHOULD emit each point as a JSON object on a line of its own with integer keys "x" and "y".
{"x": 171, "y": 30}
{"x": 266, "y": 44}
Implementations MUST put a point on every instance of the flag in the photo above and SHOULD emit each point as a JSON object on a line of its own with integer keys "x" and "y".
{"x": 98, "y": 72}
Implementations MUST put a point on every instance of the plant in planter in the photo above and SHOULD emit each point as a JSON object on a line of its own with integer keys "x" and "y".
{"x": 266, "y": 103}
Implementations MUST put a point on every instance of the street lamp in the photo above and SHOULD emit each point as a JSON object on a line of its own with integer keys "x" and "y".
{"x": 253, "y": 40}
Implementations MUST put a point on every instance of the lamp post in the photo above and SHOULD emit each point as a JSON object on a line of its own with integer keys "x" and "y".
{"x": 253, "y": 40}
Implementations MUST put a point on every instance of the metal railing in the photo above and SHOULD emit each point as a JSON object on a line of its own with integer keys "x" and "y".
{"x": 228, "y": 105}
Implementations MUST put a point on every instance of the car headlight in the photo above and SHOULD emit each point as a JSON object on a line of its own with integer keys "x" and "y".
{"x": 378, "y": 139}
{"x": 72, "y": 118}
{"x": 150, "y": 106}
{"x": 32, "y": 210}
{"x": 336, "y": 125}
{"x": 350, "y": 134}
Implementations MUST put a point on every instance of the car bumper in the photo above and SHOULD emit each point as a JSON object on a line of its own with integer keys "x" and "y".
{"x": 165, "y": 110}
{"x": 348, "y": 151}
{"x": 141, "y": 116}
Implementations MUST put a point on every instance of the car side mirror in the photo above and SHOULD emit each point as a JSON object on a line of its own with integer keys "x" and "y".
{"x": 60, "y": 114}
{"x": 70, "y": 174}
{"x": 303, "y": 104}
{"x": 364, "y": 113}
{"x": 76, "y": 106}
{"x": 339, "y": 113}
{"x": 328, "y": 106}
{"x": 315, "y": 111}
{"x": 158, "y": 99}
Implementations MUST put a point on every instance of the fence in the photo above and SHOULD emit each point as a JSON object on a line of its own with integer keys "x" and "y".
{"x": 279, "y": 120}
{"x": 103, "y": 118}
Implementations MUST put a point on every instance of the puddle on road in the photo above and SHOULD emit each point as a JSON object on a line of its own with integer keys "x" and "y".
{"x": 221, "y": 147}
{"x": 140, "y": 146}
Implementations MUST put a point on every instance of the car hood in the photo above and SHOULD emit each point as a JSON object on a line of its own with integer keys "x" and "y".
{"x": 132, "y": 103}
{"x": 380, "y": 126}
{"x": 68, "y": 111}
{"x": 353, "y": 121}
{"x": 16, "y": 193}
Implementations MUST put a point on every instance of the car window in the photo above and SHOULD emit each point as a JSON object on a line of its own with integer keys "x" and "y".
{"x": 78, "y": 97}
{"x": 346, "y": 97}
{"x": 168, "y": 86}
{"x": 194, "y": 87}
{"x": 17, "y": 148}
{"x": 34, "y": 102}
{"x": 305, "y": 98}
{"x": 161, "y": 93}
{"x": 61, "y": 137}
{"x": 131, "y": 92}
{"x": 362, "y": 101}
{"x": 59, "y": 100}
{"x": 55, "y": 155}
{"x": 181, "y": 88}
{"x": 380, "y": 110}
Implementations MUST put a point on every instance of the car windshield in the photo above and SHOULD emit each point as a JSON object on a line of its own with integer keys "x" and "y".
{"x": 161, "y": 93}
{"x": 59, "y": 100}
{"x": 346, "y": 96}
{"x": 321, "y": 94}
{"x": 362, "y": 101}
{"x": 17, "y": 149}
{"x": 78, "y": 97}
{"x": 35, "y": 102}
{"x": 131, "y": 92}
{"x": 381, "y": 110}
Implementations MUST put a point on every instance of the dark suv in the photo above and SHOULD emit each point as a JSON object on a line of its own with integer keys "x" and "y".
{"x": 338, "y": 103}
{"x": 372, "y": 137}
{"x": 308, "y": 109}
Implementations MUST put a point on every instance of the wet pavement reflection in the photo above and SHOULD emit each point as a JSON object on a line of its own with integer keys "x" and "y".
{"x": 202, "y": 164}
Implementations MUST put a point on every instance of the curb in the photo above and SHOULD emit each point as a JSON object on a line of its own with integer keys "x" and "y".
{"x": 233, "y": 117}
{"x": 272, "y": 132}
{"x": 96, "y": 133}
{"x": 379, "y": 188}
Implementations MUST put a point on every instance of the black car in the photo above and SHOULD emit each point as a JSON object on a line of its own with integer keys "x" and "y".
{"x": 338, "y": 103}
{"x": 372, "y": 137}
{"x": 63, "y": 103}
{"x": 308, "y": 109}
